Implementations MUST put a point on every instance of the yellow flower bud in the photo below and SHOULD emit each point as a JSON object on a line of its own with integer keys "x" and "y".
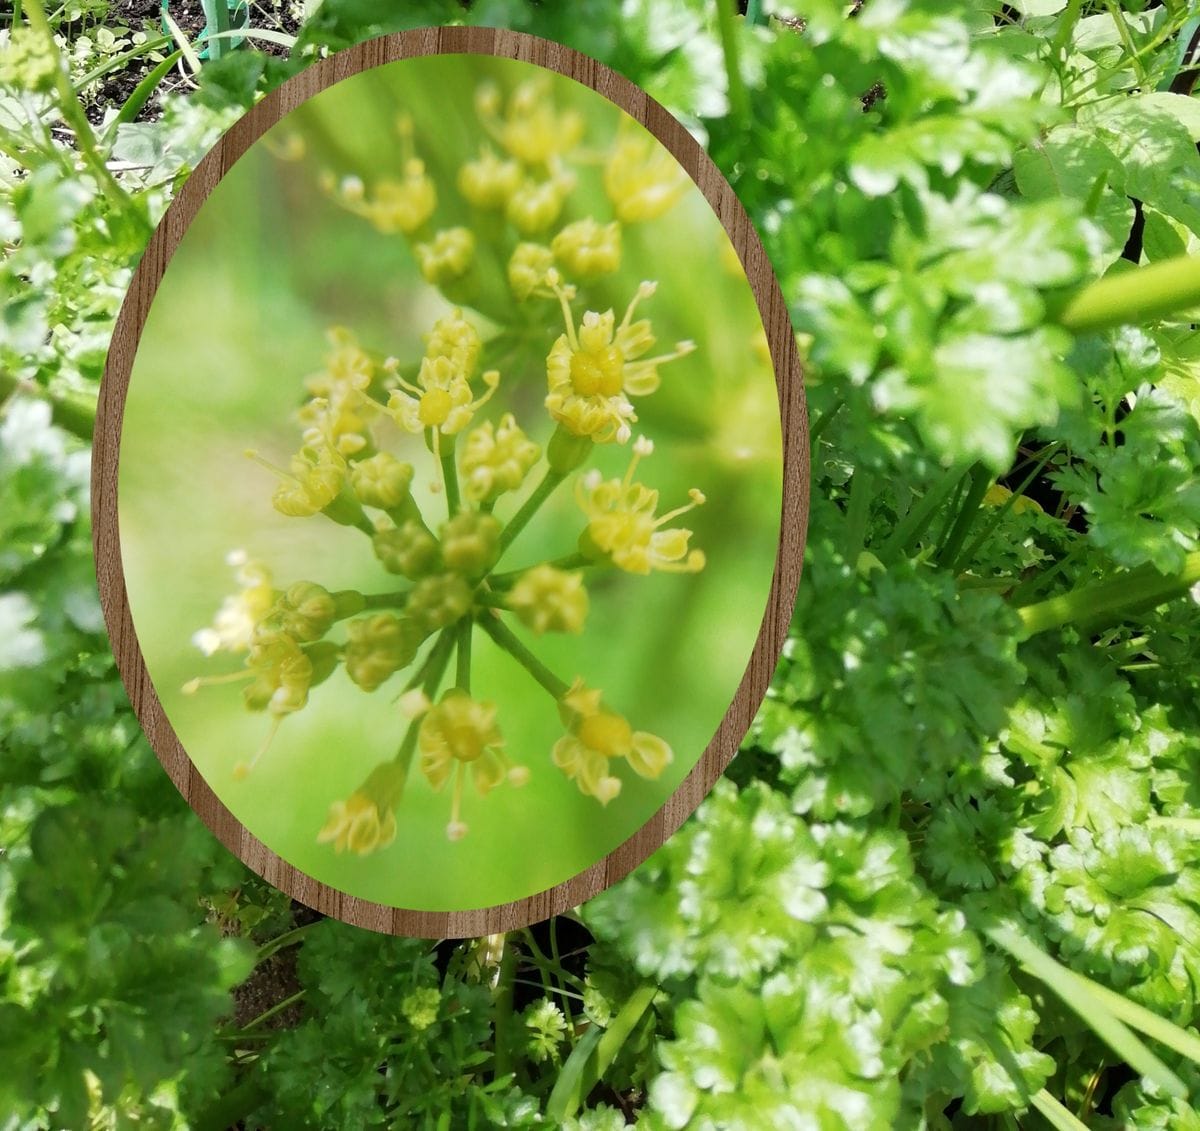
{"x": 533, "y": 130}
{"x": 471, "y": 543}
{"x": 496, "y": 459}
{"x": 282, "y": 672}
{"x": 586, "y": 249}
{"x": 534, "y": 206}
{"x": 312, "y": 483}
{"x": 379, "y": 646}
{"x": 305, "y": 612}
{"x": 409, "y": 550}
{"x": 527, "y": 268}
{"x": 439, "y": 600}
{"x": 546, "y": 599}
{"x": 489, "y": 181}
{"x": 396, "y": 205}
{"x": 381, "y": 481}
{"x": 455, "y": 339}
{"x": 447, "y": 257}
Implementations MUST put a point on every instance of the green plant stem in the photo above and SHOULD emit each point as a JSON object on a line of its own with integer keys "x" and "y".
{"x": 593, "y": 1055}
{"x": 1139, "y": 295}
{"x": 77, "y": 121}
{"x": 921, "y": 514}
{"x": 277, "y": 1008}
{"x": 739, "y": 101}
{"x": 288, "y": 938}
{"x": 1059, "y": 1117}
{"x": 567, "y": 561}
{"x": 450, "y": 478}
{"x": 1127, "y": 43}
{"x": 508, "y": 641}
{"x": 1107, "y": 1013}
{"x": 1093, "y": 606}
{"x": 395, "y": 600}
{"x": 229, "y": 1110}
{"x": 530, "y": 507}
{"x": 823, "y": 421}
{"x": 858, "y": 511}
{"x": 1043, "y": 458}
{"x": 132, "y": 106}
{"x": 981, "y": 480}
{"x": 462, "y": 680}
{"x": 502, "y": 1012}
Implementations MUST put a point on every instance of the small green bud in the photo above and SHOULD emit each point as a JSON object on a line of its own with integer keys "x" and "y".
{"x": 378, "y": 646}
{"x": 439, "y": 600}
{"x": 471, "y": 543}
{"x": 448, "y": 256}
{"x": 305, "y": 612}
{"x": 381, "y": 481}
{"x": 409, "y": 550}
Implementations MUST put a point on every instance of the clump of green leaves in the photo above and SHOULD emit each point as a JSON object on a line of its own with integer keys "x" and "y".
{"x": 953, "y": 879}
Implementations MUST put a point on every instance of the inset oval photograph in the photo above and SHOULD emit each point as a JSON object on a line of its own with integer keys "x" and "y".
{"x": 456, "y": 518}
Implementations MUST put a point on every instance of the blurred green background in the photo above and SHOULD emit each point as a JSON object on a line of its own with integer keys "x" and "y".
{"x": 270, "y": 263}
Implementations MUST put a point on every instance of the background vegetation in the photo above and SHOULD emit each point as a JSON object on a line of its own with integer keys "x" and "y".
{"x": 953, "y": 879}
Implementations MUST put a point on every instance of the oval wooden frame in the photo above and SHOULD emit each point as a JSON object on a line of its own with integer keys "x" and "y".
{"x": 794, "y": 519}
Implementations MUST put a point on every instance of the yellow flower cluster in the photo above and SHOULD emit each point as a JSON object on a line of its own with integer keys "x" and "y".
{"x": 510, "y": 229}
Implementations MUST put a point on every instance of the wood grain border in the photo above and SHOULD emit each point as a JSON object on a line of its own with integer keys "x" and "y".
{"x": 794, "y": 519}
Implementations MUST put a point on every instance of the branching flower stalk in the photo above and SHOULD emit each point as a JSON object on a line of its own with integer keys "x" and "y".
{"x": 489, "y": 473}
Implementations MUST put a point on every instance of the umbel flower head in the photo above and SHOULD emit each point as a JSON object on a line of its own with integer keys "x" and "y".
{"x": 594, "y": 368}
{"x": 595, "y": 737}
{"x": 547, "y": 599}
{"x": 393, "y": 205}
{"x": 531, "y": 128}
{"x": 442, "y": 398}
{"x": 339, "y": 412}
{"x": 641, "y": 178}
{"x": 233, "y": 627}
{"x": 459, "y": 737}
{"x": 366, "y": 821}
{"x": 623, "y": 528}
{"x": 496, "y": 459}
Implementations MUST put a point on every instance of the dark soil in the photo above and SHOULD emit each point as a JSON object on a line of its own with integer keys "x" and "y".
{"x": 146, "y": 16}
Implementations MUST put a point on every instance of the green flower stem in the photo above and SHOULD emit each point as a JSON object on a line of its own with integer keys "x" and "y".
{"x": 396, "y": 600}
{"x": 1093, "y": 606}
{"x": 981, "y": 480}
{"x": 1138, "y": 295}
{"x": 1043, "y": 458}
{"x": 530, "y": 507}
{"x": 1111, "y": 1016}
{"x": 466, "y": 628}
{"x": 594, "y": 1053}
{"x": 739, "y": 101}
{"x": 267, "y": 1014}
{"x": 858, "y": 511}
{"x": 502, "y": 1012}
{"x": 567, "y": 561}
{"x": 1059, "y": 1117}
{"x": 435, "y": 663}
{"x": 75, "y": 118}
{"x": 450, "y": 478}
{"x": 824, "y": 420}
{"x": 288, "y": 938}
{"x": 507, "y": 640}
{"x": 917, "y": 521}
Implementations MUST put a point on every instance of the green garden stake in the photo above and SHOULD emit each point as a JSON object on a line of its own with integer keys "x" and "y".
{"x": 221, "y": 18}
